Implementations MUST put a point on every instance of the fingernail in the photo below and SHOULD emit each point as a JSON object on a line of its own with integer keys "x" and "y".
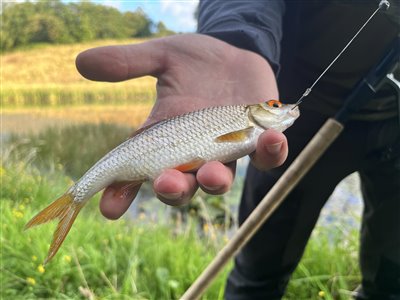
{"x": 274, "y": 148}
{"x": 213, "y": 188}
{"x": 171, "y": 196}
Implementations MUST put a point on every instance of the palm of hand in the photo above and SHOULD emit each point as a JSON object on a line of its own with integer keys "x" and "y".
{"x": 193, "y": 71}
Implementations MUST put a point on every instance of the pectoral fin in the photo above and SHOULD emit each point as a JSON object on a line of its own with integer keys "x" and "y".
{"x": 236, "y": 136}
{"x": 125, "y": 189}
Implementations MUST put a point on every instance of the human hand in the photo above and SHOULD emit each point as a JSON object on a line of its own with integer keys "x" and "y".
{"x": 193, "y": 71}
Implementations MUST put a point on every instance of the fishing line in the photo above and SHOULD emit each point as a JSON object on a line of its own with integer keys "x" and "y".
{"x": 383, "y": 4}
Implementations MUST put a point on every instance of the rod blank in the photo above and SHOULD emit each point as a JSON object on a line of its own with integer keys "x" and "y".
{"x": 321, "y": 141}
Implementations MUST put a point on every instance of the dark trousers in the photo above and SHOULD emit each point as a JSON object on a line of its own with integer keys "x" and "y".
{"x": 263, "y": 268}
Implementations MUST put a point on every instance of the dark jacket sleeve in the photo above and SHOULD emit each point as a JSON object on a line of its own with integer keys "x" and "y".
{"x": 252, "y": 25}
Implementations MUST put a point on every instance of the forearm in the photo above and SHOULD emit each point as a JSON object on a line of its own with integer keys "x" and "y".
{"x": 252, "y": 25}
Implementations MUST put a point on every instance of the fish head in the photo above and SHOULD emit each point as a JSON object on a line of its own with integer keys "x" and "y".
{"x": 273, "y": 114}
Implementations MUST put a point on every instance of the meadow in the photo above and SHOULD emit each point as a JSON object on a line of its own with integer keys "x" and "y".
{"x": 55, "y": 124}
{"x": 46, "y": 76}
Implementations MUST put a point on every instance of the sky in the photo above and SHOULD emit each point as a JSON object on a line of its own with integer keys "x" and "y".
{"x": 177, "y": 15}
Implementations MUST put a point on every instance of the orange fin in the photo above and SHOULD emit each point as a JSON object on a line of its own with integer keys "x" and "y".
{"x": 190, "y": 166}
{"x": 64, "y": 209}
{"x": 235, "y": 136}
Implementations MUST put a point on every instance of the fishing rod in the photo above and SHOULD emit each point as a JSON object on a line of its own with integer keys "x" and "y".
{"x": 327, "y": 134}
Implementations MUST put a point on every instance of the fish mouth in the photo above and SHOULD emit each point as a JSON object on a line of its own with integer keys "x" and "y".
{"x": 294, "y": 111}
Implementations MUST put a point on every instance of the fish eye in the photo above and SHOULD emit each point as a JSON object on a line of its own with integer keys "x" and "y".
{"x": 274, "y": 103}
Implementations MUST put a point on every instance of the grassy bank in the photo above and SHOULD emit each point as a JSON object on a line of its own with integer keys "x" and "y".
{"x": 134, "y": 259}
{"x": 145, "y": 258}
{"x": 114, "y": 260}
{"x": 47, "y": 77}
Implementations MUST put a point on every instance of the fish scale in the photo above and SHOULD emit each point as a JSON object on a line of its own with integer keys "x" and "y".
{"x": 179, "y": 142}
{"x": 223, "y": 133}
{"x": 139, "y": 157}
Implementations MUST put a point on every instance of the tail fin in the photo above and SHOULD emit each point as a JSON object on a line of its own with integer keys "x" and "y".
{"x": 65, "y": 209}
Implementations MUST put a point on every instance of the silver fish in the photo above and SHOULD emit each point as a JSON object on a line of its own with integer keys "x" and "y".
{"x": 185, "y": 143}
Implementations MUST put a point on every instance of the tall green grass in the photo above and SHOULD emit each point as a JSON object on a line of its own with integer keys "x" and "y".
{"x": 153, "y": 257}
{"x": 329, "y": 267}
{"x": 135, "y": 259}
{"x": 124, "y": 259}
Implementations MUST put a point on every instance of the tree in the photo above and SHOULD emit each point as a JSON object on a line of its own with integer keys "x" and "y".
{"x": 47, "y": 29}
{"x": 162, "y": 30}
{"x": 57, "y": 22}
{"x": 78, "y": 23}
{"x": 138, "y": 24}
{"x": 15, "y": 29}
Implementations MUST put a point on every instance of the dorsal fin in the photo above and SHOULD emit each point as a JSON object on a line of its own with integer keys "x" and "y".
{"x": 140, "y": 130}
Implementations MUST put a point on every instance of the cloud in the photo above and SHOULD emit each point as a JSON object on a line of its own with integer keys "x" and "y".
{"x": 182, "y": 11}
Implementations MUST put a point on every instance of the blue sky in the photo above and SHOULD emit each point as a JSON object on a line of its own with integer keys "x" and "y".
{"x": 177, "y": 15}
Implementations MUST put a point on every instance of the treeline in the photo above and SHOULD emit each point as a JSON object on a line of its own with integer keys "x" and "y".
{"x": 56, "y": 22}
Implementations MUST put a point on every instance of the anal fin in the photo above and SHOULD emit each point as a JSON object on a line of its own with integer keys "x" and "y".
{"x": 191, "y": 165}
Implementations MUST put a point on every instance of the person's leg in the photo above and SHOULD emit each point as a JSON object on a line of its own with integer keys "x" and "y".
{"x": 380, "y": 231}
{"x": 263, "y": 267}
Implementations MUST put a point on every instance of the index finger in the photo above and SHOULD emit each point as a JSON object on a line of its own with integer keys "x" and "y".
{"x": 122, "y": 62}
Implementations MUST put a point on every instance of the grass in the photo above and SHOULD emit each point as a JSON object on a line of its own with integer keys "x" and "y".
{"x": 100, "y": 259}
{"x": 147, "y": 258}
{"x": 50, "y": 64}
{"x": 48, "y": 77}
{"x": 76, "y": 94}
{"x": 126, "y": 259}
{"x": 329, "y": 267}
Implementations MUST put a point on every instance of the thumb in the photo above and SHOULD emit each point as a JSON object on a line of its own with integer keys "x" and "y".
{"x": 118, "y": 63}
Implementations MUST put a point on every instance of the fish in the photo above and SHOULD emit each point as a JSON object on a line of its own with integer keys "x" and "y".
{"x": 184, "y": 143}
